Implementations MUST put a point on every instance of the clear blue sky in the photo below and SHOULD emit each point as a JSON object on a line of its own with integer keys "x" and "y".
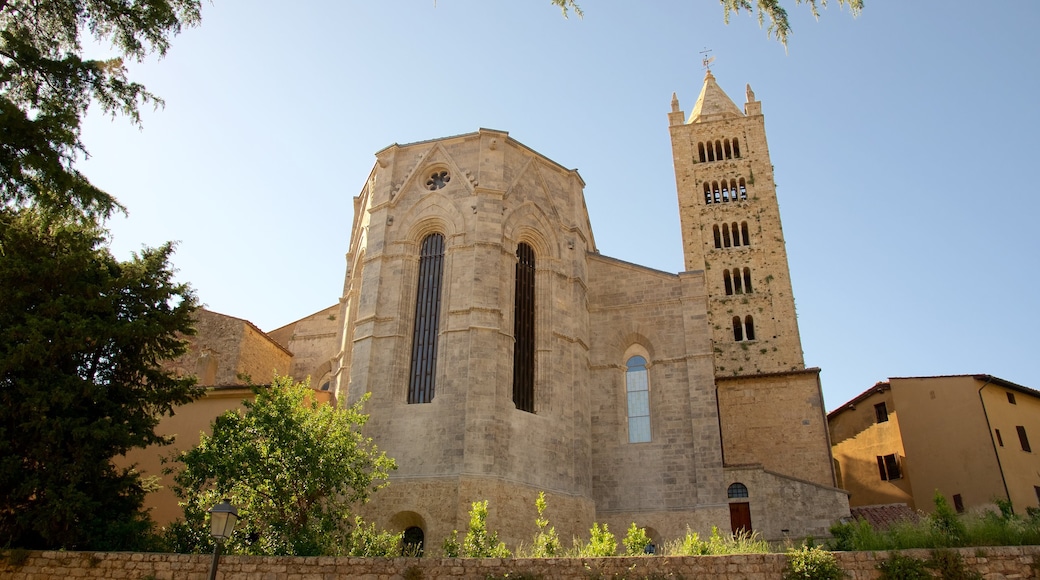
{"x": 903, "y": 141}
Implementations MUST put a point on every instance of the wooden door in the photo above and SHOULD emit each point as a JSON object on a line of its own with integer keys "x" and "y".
{"x": 740, "y": 517}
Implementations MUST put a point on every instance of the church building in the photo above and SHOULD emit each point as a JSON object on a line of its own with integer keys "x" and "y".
{"x": 505, "y": 356}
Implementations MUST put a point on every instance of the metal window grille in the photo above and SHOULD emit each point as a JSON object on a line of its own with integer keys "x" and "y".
{"x": 427, "y": 319}
{"x": 523, "y": 330}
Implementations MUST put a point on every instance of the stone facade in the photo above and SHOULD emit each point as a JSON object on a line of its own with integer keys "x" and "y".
{"x": 991, "y": 563}
{"x": 664, "y": 399}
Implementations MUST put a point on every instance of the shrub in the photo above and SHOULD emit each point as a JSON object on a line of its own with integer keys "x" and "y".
{"x": 479, "y": 542}
{"x": 900, "y": 567}
{"x": 366, "y": 542}
{"x": 740, "y": 543}
{"x": 601, "y": 543}
{"x": 636, "y": 541}
{"x": 546, "y": 542}
{"x": 950, "y": 566}
{"x": 947, "y": 525}
{"x": 452, "y": 548}
{"x": 812, "y": 564}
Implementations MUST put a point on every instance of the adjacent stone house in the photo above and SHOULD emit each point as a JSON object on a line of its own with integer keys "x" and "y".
{"x": 966, "y": 436}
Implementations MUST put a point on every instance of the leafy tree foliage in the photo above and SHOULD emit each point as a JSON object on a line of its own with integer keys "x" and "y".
{"x": 292, "y": 466}
{"x": 46, "y": 86}
{"x": 779, "y": 25}
{"x": 82, "y": 339}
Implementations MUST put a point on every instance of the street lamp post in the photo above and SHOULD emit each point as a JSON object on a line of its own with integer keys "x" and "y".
{"x": 222, "y": 520}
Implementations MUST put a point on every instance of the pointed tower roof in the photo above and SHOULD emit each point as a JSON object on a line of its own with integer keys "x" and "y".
{"x": 713, "y": 104}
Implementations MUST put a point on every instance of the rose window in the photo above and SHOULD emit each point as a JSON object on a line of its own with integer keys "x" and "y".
{"x": 438, "y": 180}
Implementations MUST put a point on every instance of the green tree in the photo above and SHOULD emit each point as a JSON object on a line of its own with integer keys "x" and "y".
{"x": 82, "y": 340}
{"x": 779, "y": 25}
{"x": 46, "y": 86}
{"x": 293, "y": 467}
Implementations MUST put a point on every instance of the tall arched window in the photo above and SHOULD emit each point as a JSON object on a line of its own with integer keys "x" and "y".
{"x": 523, "y": 330}
{"x": 718, "y": 238}
{"x": 736, "y": 148}
{"x": 727, "y": 282}
{"x": 725, "y": 235}
{"x": 700, "y": 152}
{"x": 738, "y": 329}
{"x": 744, "y": 231}
{"x": 749, "y": 327}
{"x": 707, "y": 192}
{"x": 427, "y": 320}
{"x": 747, "y": 280}
{"x": 637, "y": 386}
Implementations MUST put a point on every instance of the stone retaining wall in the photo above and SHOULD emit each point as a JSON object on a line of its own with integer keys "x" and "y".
{"x": 994, "y": 563}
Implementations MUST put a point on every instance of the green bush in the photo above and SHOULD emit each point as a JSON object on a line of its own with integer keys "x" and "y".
{"x": 479, "y": 542}
{"x": 366, "y": 542}
{"x": 740, "y": 543}
{"x": 812, "y": 563}
{"x": 950, "y": 566}
{"x": 601, "y": 543}
{"x": 636, "y": 541}
{"x": 900, "y": 567}
{"x": 546, "y": 542}
{"x": 949, "y": 530}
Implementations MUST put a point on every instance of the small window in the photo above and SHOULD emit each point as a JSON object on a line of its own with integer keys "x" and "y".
{"x": 737, "y": 490}
{"x": 1011, "y": 398}
{"x": 1000, "y": 440}
{"x": 1036, "y": 490}
{"x": 958, "y": 503}
{"x": 1023, "y": 439}
{"x": 637, "y": 385}
{"x": 888, "y": 467}
{"x": 881, "y": 412}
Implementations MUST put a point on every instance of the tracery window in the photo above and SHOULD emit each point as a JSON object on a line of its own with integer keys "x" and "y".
{"x": 523, "y": 329}
{"x": 427, "y": 320}
{"x": 637, "y": 387}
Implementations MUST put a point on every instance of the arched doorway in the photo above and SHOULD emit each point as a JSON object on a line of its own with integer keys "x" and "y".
{"x": 739, "y": 511}
{"x": 412, "y": 543}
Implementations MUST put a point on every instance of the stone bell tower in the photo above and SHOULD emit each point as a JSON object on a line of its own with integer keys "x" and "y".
{"x": 731, "y": 229}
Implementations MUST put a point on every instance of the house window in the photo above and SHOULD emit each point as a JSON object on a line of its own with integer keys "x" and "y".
{"x": 888, "y": 466}
{"x": 1000, "y": 440}
{"x": 1023, "y": 439}
{"x": 523, "y": 330}
{"x": 958, "y": 503}
{"x": 737, "y": 490}
{"x": 1036, "y": 490}
{"x": 1011, "y": 398}
{"x": 881, "y": 412}
{"x": 427, "y": 320}
{"x": 637, "y": 386}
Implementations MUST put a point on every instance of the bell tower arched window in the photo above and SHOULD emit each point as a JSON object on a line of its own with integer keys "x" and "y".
{"x": 427, "y": 320}
{"x": 523, "y": 330}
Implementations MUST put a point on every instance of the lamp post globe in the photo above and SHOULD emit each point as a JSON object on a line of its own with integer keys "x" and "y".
{"x": 222, "y": 520}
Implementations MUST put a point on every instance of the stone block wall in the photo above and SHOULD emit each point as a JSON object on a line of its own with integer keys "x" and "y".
{"x": 993, "y": 563}
{"x": 776, "y": 420}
